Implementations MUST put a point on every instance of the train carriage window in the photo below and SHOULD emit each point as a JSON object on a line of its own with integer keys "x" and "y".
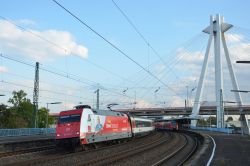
{"x": 89, "y": 118}
{"x": 69, "y": 118}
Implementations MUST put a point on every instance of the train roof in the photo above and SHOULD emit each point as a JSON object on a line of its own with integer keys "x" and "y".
{"x": 141, "y": 118}
{"x": 180, "y": 118}
{"x": 69, "y": 112}
{"x": 107, "y": 112}
{"x": 78, "y": 110}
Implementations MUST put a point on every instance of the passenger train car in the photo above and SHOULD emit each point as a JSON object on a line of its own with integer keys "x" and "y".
{"x": 141, "y": 126}
{"x": 167, "y": 125}
{"x": 83, "y": 125}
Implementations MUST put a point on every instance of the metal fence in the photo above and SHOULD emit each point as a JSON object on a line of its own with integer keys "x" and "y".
{"x": 26, "y": 132}
{"x": 223, "y": 130}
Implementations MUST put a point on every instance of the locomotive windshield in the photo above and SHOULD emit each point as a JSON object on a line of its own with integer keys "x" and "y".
{"x": 70, "y": 118}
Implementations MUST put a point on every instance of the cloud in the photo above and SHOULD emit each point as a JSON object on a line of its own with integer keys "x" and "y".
{"x": 140, "y": 103}
{"x": 3, "y": 69}
{"x": 234, "y": 38}
{"x": 176, "y": 101}
{"x": 44, "y": 45}
{"x": 69, "y": 105}
{"x": 238, "y": 50}
{"x": 159, "y": 68}
{"x": 25, "y": 22}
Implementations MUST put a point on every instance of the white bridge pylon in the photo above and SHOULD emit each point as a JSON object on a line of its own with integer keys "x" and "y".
{"x": 216, "y": 32}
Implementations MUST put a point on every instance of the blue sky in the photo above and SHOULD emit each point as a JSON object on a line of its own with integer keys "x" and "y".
{"x": 167, "y": 25}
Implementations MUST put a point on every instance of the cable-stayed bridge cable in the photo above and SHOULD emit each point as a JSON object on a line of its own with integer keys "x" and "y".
{"x": 114, "y": 46}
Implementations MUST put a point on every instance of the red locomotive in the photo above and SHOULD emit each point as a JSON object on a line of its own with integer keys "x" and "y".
{"x": 84, "y": 125}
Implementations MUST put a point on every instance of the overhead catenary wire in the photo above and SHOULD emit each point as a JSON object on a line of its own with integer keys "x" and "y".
{"x": 141, "y": 35}
{"x": 68, "y": 76}
{"x": 113, "y": 45}
{"x": 164, "y": 72}
{"x": 174, "y": 60}
{"x": 63, "y": 49}
{"x": 45, "y": 90}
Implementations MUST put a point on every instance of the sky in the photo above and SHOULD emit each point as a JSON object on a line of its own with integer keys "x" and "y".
{"x": 41, "y": 31}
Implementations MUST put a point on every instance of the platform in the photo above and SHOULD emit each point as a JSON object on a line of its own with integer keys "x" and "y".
{"x": 17, "y": 139}
{"x": 231, "y": 149}
{"x": 23, "y": 142}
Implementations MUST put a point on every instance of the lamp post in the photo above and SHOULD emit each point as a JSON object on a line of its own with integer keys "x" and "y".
{"x": 242, "y": 61}
{"x": 243, "y": 91}
{"x": 2, "y": 95}
{"x": 187, "y": 96}
{"x": 97, "y": 98}
{"x": 155, "y": 94}
{"x": 47, "y": 116}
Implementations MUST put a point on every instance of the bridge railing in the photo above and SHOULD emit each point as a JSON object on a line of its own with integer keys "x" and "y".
{"x": 26, "y": 132}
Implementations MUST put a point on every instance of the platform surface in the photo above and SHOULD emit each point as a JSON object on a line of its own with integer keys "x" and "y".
{"x": 231, "y": 149}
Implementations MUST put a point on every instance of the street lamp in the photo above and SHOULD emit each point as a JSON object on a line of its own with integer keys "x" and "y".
{"x": 124, "y": 91}
{"x": 47, "y": 117}
{"x": 155, "y": 94}
{"x": 243, "y": 91}
{"x": 242, "y": 61}
{"x": 2, "y": 95}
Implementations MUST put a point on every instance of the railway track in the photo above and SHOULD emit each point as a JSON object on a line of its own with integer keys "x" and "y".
{"x": 160, "y": 148}
{"x": 29, "y": 150}
{"x": 107, "y": 160}
{"x": 182, "y": 153}
{"x": 68, "y": 158}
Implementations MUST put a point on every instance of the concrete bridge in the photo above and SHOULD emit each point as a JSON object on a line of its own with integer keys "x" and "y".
{"x": 171, "y": 111}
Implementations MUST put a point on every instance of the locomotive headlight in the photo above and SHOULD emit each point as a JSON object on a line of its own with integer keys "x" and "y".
{"x": 58, "y": 135}
{"x": 77, "y": 132}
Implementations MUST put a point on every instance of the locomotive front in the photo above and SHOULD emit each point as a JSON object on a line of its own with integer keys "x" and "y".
{"x": 68, "y": 128}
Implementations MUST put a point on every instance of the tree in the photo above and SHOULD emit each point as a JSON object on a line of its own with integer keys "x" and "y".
{"x": 22, "y": 108}
{"x": 18, "y": 98}
{"x": 42, "y": 118}
{"x": 212, "y": 119}
{"x": 202, "y": 122}
{"x": 9, "y": 118}
{"x": 229, "y": 119}
{"x": 20, "y": 115}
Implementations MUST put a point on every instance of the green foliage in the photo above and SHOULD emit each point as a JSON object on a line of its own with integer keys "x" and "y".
{"x": 229, "y": 119}
{"x": 10, "y": 119}
{"x": 20, "y": 115}
{"x": 212, "y": 119}
{"x": 207, "y": 122}
{"x": 42, "y": 118}
{"x": 18, "y": 98}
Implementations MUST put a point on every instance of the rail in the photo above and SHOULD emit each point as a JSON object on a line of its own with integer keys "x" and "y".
{"x": 28, "y": 150}
{"x": 185, "y": 146}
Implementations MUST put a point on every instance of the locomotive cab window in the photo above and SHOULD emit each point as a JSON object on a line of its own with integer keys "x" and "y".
{"x": 70, "y": 118}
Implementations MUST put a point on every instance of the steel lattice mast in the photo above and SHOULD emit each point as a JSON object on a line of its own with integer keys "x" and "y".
{"x": 36, "y": 94}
